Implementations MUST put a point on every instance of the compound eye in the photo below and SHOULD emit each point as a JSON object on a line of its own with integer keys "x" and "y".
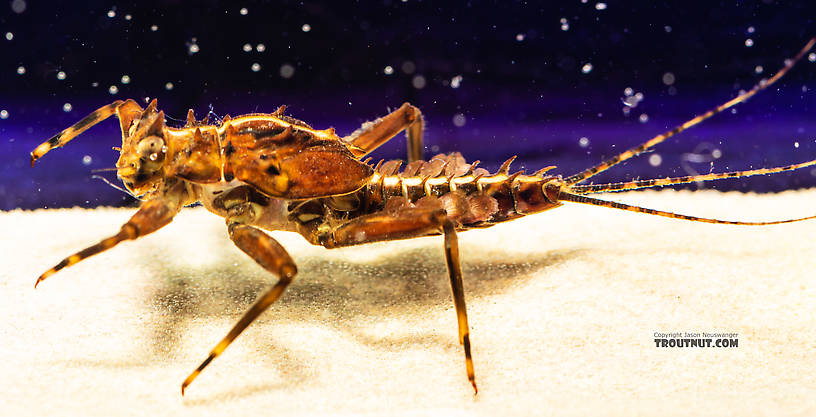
{"x": 152, "y": 148}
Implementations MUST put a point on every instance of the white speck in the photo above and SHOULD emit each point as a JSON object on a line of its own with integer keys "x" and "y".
{"x": 9, "y": 36}
{"x": 749, "y": 42}
{"x": 667, "y": 28}
{"x": 564, "y": 24}
{"x": 260, "y": 47}
{"x": 408, "y": 67}
{"x": 628, "y": 91}
{"x": 733, "y": 111}
{"x": 256, "y": 67}
{"x": 113, "y": 89}
{"x": 18, "y": 6}
{"x": 759, "y": 69}
{"x": 804, "y": 88}
{"x": 459, "y": 120}
{"x": 111, "y": 13}
{"x": 247, "y": 47}
{"x": 587, "y": 68}
{"x": 86, "y": 160}
{"x": 520, "y": 37}
{"x": 67, "y": 107}
{"x": 306, "y": 27}
{"x": 456, "y": 81}
{"x": 388, "y": 70}
{"x": 95, "y": 84}
{"x": 244, "y": 11}
{"x": 583, "y": 142}
{"x": 193, "y": 48}
{"x": 655, "y": 160}
{"x": 812, "y": 57}
{"x": 751, "y": 29}
{"x": 600, "y": 6}
{"x": 4, "y": 114}
{"x": 418, "y": 81}
{"x": 168, "y": 86}
{"x": 128, "y": 17}
{"x": 154, "y": 28}
{"x": 126, "y": 79}
{"x": 643, "y": 118}
{"x": 287, "y": 71}
{"x": 21, "y": 70}
{"x": 716, "y": 154}
{"x": 668, "y": 78}
{"x": 61, "y": 75}
{"x": 795, "y": 144}
{"x": 630, "y": 101}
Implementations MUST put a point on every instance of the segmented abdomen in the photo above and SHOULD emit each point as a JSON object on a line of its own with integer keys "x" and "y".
{"x": 471, "y": 196}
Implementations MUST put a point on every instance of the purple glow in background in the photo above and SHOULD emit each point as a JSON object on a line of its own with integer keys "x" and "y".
{"x": 493, "y": 80}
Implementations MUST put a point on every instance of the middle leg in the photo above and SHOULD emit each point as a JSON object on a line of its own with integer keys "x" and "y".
{"x": 373, "y": 134}
{"x": 268, "y": 253}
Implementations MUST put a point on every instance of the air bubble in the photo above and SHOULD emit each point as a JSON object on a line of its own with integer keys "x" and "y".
{"x": 751, "y": 29}
{"x": 61, "y": 75}
{"x": 154, "y": 28}
{"x": 287, "y": 71}
{"x": 655, "y": 160}
{"x": 256, "y": 67}
{"x": 587, "y": 68}
{"x": 244, "y": 11}
{"x": 459, "y": 120}
{"x": 388, "y": 70}
{"x": 4, "y": 114}
{"x": 125, "y": 79}
{"x": 113, "y": 89}
{"x": 111, "y": 13}
{"x": 812, "y": 57}
{"x": 758, "y": 69}
{"x": 9, "y": 36}
{"x": 247, "y": 47}
{"x": 456, "y": 81}
{"x": 668, "y": 78}
{"x": 21, "y": 70}
{"x": 796, "y": 144}
{"x": 260, "y": 47}
{"x": 306, "y": 27}
{"x": 749, "y": 42}
{"x": 128, "y": 17}
{"x": 86, "y": 160}
{"x": 18, "y": 6}
{"x": 520, "y": 37}
{"x": 643, "y": 118}
{"x": 418, "y": 82}
{"x": 600, "y": 6}
{"x": 193, "y": 48}
{"x": 583, "y": 142}
{"x": 628, "y": 91}
{"x": 408, "y": 67}
{"x": 168, "y": 86}
{"x": 67, "y": 107}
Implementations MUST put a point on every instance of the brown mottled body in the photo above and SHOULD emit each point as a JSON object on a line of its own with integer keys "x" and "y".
{"x": 273, "y": 172}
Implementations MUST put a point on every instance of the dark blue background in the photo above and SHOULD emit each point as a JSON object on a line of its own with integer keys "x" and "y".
{"x": 522, "y": 89}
